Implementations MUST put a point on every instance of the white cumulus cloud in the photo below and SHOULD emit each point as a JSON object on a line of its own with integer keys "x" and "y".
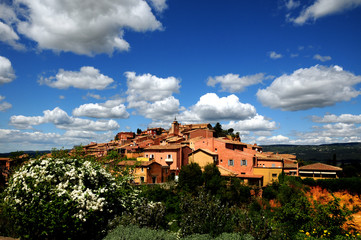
{"x": 322, "y": 8}
{"x": 109, "y": 109}
{"x": 257, "y": 123}
{"x": 211, "y": 108}
{"x": 7, "y": 74}
{"x": 343, "y": 118}
{"x": 62, "y": 120}
{"x": 86, "y": 27}
{"x": 234, "y": 83}
{"x": 4, "y": 105}
{"x": 306, "y": 88}
{"x": 87, "y": 78}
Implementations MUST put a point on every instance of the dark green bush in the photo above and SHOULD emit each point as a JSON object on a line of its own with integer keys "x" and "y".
{"x": 133, "y": 232}
{"x": 204, "y": 214}
{"x": 190, "y": 177}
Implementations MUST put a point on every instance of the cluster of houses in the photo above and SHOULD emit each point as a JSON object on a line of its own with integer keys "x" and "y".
{"x": 161, "y": 154}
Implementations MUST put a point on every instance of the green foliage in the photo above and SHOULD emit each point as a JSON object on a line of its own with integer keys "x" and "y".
{"x": 213, "y": 181}
{"x": 63, "y": 198}
{"x": 147, "y": 214}
{"x": 235, "y": 193}
{"x": 338, "y": 184}
{"x": 133, "y": 232}
{"x": 204, "y": 214}
{"x": 190, "y": 177}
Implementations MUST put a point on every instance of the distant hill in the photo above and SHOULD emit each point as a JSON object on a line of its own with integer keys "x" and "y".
{"x": 30, "y": 153}
{"x": 327, "y": 153}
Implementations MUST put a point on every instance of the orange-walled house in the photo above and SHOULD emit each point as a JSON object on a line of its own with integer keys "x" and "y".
{"x": 146, "y": 171}
{"x": 173, "y": 155}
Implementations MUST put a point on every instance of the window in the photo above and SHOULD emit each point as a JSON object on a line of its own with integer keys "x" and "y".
{"x": 169, "y": 156}
{"x": 274, "y": 175}
{"x": 142, "y": 179}
{"x": 215, "y": 149}
{"x": 142, "y": 169}
{"x": 243, "y": 162}
{"x": 273, "y": 165}
{"x": 230, "y": 162}
{"x": 151, "y": 156}
{"x": 146, "y": 155}
{"x": 243, "y": 173}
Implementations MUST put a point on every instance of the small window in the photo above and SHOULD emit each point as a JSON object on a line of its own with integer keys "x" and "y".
{"x": 142, "y": 169}
{"x": 273, "y": 165}
{"x": 243, "y": 173}
{"x": 274, "y": 175}
{"x": 215, "y": 149}
{"x": 169, "y": 156}
{"x": 142, "y": 179}
{"x": 230, "y": 162}
{"x": 151, "y": 156}
{"x": 146, "y": 155}
{"x": 243, "y": 162}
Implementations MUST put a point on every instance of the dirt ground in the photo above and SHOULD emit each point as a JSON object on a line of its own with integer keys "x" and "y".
{"x": 351, "y": 201}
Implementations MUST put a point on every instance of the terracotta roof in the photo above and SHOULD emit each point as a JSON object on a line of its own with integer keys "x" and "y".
{"x": 204, "y": 150}
{"x": 230, "y": 141}
{"x": 165, "y": 147}
{"x": 263, "y": 156}
{"x": 137, "y": 163}
{"x": 226, "y": 172}
{"x": 320, "y": 167}
{"x": 289, "y": 163}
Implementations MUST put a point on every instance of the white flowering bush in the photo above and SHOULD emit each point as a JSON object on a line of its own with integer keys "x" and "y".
{"x": 63, "y": 199}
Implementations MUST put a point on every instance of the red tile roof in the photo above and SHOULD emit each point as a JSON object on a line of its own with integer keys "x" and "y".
{"x": 320, "y": 167}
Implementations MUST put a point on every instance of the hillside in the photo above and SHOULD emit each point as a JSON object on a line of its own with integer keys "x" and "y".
{"x": 328, "y": 153}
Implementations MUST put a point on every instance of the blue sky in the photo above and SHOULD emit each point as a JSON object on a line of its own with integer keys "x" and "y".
{"x": 278, "y": 72}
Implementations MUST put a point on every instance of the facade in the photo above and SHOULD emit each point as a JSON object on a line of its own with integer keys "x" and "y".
{"x": 203, "y": 157}
{"x": 173, "y": 155}
{"x": 149, "y": 172}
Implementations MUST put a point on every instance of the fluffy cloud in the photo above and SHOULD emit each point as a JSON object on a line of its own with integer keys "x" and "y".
{"x": 87, "y": 27}
{"x": 9, "y": 36}
{"x": 275, "y": 55}
{"x": 322, "y": 58}
{"x": 306, "y": 88}
{"x": 159, "y": 5}
{"x": 162, "y": 109}
{"x": 4, "y": 105}
{"x": 279, "y": 139}
{"x": 343, "y": 118}
{"x": 329, "y": 133}
{"x": 322, "y": 8}
{"x": 86, "y": 78}
{"x": 61, "y": 120}
{"x": 150, "y": 88}
{"x": 257, "y": 123}
{"x": 6, "y": 70}
{"x": 109, "y": 109}
{"x": 211, "y": 108}
{"x": 152, "y": 96}
{"x": 14, "y": 140}
{"x": 233, "y": 83}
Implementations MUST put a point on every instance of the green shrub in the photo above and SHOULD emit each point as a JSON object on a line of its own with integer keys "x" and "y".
{"x": 204, "y": 214}
{"x": 190, "y": 177}
{"x": 147, "y": 214}
{"x": 133, "y": 232}
{"x": 63, "y": 198}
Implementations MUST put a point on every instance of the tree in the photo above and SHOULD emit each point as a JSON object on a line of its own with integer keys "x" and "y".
{"x": 139, "y": 131}
{"x": 213, "y": 181}
{"x": 190, "y": 177}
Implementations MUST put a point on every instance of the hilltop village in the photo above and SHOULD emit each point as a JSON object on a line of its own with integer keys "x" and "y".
{"x": 161, "y": 154}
